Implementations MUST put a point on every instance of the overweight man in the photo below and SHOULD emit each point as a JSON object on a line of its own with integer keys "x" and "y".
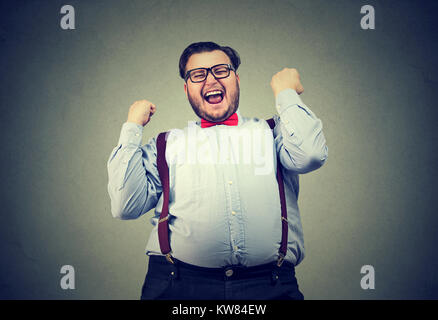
{"x": 224, "y": 189}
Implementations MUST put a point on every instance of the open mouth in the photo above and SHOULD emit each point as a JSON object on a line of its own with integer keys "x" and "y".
{"x": 214, "y": 96}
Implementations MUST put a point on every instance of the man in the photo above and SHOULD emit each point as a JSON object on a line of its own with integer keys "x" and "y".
{"x": 225, "y": 215}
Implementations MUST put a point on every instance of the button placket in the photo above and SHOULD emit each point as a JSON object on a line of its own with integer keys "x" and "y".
{"x": 234, "y": 211}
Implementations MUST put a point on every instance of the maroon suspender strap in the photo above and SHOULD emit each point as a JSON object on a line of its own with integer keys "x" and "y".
{"x": 284, "y": 224}
{"x": 163, "y": 222}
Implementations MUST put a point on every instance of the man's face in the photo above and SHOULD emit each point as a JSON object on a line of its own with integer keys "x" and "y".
{"x": 217, "y": 109}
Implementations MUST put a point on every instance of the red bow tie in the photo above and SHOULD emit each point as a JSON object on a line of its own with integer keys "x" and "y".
{"x": 231, "y": 121}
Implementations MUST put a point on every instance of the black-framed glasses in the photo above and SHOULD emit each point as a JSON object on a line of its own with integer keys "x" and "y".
{"x": 218, "y": 71}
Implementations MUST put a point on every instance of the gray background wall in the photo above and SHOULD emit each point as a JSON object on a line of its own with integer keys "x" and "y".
{"x": 65, "y": 95}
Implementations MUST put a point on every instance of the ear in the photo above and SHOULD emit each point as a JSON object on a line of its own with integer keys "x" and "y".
{"x": 185, "y": 89}
{"x": 238, "y": 79}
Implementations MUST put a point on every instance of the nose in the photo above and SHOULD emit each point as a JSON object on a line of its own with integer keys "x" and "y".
{"x": 210, "y": 77}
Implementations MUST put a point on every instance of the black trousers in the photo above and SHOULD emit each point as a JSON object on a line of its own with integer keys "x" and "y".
{"x": 182, "y": 281}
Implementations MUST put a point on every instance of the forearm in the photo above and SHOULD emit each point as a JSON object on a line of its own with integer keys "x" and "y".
{"x": 300, "y": 140}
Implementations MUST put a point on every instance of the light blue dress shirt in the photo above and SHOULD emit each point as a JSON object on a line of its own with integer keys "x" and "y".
{"x": 224, "y": 203}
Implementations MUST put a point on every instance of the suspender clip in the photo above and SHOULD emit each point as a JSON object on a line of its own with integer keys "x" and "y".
{"x": 163, "y": 219}
{"x": 280, "y": 259}
{"x": 169, "y": 258}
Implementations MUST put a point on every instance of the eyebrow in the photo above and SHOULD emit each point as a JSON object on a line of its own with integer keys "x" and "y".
{"x": 188, "y": 69}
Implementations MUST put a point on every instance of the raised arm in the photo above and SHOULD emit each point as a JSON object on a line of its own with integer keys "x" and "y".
{"x": 299, "y": 139}
{"x": 134, "y": 186}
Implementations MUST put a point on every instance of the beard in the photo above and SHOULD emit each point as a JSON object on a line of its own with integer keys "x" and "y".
{"x": 197, "y": 101}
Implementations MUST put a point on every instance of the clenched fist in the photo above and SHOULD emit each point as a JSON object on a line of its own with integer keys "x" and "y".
{"x": 285, "y": 79}
{"x": 141, "y": 112}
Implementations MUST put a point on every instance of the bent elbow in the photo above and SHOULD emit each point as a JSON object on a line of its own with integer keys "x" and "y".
{"x": 121, "y": 205}
{"x": 315, "y": 160}
{"x": 123, "y": 211}
{"x": 306, "y": 160}
{"x": 118, "y": 213}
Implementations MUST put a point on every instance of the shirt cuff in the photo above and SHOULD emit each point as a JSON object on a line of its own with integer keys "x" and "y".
{"x": 131, "y": 134}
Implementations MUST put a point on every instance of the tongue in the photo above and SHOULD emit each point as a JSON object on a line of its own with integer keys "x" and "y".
{"x": 214, "y": 99}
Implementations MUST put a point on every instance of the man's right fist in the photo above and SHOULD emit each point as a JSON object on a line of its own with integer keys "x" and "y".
{"x": 141, "y": 112}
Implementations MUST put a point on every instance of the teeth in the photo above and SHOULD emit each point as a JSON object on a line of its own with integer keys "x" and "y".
{"x": 212, "y": 93}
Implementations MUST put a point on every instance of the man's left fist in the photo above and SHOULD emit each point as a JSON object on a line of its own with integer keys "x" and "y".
{"x": 286, "y": 79}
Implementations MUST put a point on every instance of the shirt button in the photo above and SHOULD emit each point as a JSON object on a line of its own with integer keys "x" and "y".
{"x": 230, "y": 182}
{"x": 233, "y": 213}
{"x": 235, "y": 248}
{"x": 229, "y": 272}
{"x": 137, "y": 134}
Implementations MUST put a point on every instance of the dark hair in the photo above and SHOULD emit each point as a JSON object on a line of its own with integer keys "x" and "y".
{"x": 199, "y": 47}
